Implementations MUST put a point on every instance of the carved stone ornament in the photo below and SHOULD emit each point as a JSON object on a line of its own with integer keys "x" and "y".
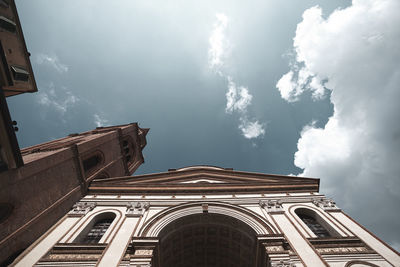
{"x": 136, "y": 209}
{"x": 325, "y": 204}
{"x": 82, "y": 208}
{"x": 144, "y": 252}
{"x": 272, "y": 205}
{"x": 283, "y": 263}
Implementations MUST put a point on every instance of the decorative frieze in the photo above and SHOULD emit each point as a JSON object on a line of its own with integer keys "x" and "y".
{"x": 326, "y": 204}
{"x": 81, "y": 208}
{"x": 344, "y": 245}
{"x": 272, "y": 205}
{"x": 283, "y": 263}
{"x": 136, "y": 209}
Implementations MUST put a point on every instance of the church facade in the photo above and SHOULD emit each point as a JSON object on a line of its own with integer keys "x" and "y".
{"x": 207, "y": 216}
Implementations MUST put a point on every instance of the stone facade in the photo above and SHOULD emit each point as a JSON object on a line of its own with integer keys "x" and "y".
{"x": 208, "y": 216}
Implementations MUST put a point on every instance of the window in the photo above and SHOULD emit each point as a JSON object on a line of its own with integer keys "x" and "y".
{"x": 313, "y": 222}
{"x": 92, "y": 162}
{"x": 20, "y": 73}
{"x": 128, "y": 149}
{"x": 5, "y": 211}
{"x": 96, "y": 229}
{"x": 7, "y": 24}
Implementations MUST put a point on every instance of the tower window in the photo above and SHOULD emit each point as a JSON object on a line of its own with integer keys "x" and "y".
{"x": 7, "y": 24}
{"x": 91, "y": 162}
{"x": 20, "y": 74}
{"x": 314, "y": 222}
{"x": 128, "y": 149}
{"x": 97, "y": 231}
{"x": 5, "y": 211}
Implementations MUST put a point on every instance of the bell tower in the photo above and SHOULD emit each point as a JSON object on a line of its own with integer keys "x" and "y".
{"x": 56, "y": 174}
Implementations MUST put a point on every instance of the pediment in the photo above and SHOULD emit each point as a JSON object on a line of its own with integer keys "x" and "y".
{"x": 206, "y": 180}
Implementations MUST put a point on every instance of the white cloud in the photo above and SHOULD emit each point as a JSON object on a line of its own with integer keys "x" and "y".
{"x": 99, "y": 121}
{"x": 53, "y": 61}
{"x": 59, "y": 102}
{"x": 238, "y": 98}
{"x": 251, "y": 129}
{"x": 356, "y": 154}
{"x": 218, "y": 43}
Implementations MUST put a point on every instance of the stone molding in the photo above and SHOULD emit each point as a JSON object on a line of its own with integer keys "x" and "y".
{"x": 326, "y": 204}
{"x": 81, "y": 208}
{"x": 283, "y": 263}
{"x": 136, "y": 209}
{"x": 272, "y": 205}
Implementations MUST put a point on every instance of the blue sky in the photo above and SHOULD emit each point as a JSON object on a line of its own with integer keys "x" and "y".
{"x": 308, "y": 88}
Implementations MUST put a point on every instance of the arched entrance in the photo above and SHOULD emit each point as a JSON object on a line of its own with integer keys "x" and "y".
{"x": 208, "y": 240}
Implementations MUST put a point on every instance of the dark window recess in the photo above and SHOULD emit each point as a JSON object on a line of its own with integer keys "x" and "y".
{"x": 3, "y": 163}
{"x": 5, "y": 211}
{"x": 7, "y": 24}
{"x": 97, "y": 231}
{"x": 127, "y": 150}
{"x": 4, "y": 3}
{"x": 314, "y": 226}
{"x": 91, "y": 162}
{"x": 20, "y": 74}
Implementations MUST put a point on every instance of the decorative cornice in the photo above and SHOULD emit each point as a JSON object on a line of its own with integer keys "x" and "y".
{"x": 136, "y": 209}
{"x": 274, "y": 206}
{"x": 326, "y": 204}
{"x": 81, "y": 208}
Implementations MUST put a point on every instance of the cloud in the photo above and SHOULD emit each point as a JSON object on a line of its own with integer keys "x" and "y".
{"x": 59, "y": 101}
{"x": 99, "y": 121}
{"x": 238, "y": 98}
{"x": 354, "y": 55}
{"x": 52, "y": 61}
{"x": 251, "y": 129}
{"x": 218, "y": 43}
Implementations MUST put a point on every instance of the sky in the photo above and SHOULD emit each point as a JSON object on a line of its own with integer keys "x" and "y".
{"x": 307, "y": 88}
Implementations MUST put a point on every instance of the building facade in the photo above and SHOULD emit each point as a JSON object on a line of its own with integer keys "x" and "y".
{"x": 57, "y": 174}
{"x": 207, "y": 216}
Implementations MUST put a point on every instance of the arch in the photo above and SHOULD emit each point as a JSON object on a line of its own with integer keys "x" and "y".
{"x": 358, "y": 263}
{"x": 158, "y": 222}
{"x": 92, "y": 161}
{"x": 96, "y": 228}
{"x": 315, "y": 222}
{"x": 209, "y": 239}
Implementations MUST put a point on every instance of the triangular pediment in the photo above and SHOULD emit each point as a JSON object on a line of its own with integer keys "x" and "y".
{"x": 206, "y": 179}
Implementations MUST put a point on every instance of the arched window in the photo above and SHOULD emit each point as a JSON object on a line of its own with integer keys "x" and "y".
{"x": 315, "y": 223}
{"x": 92, "y": 161}
{"x": 96, "y": 229}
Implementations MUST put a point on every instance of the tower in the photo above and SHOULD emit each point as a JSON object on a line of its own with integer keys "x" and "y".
{"x": 207, "y": 216}
{"x": 16, "y": 77}
{"x": 56, "y": 174}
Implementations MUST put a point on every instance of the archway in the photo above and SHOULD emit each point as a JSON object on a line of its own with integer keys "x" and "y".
{"x": 208, "y": 239}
